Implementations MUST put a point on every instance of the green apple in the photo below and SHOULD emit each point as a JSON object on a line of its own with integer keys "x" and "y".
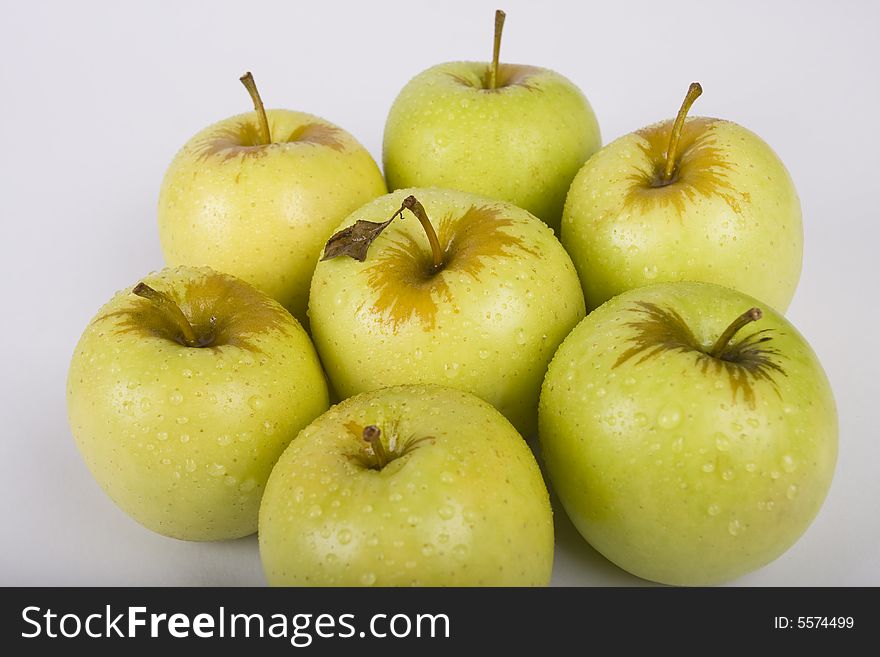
{"x": 257, "y": 195}
{"x": 183, "y": 392}
{"x": 507, "y": 131}
{"x": 407, "y": 486}
{"x": 688, "y": 446}
{"x": 695, "y": 199}
{"x": 480, "y": 305}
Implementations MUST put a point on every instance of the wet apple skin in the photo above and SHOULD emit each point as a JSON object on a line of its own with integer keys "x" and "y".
{"x": 492, "y": 336}
{"x": 657, "y": 464}
{"x": 263, "y": 214}
{"x": 466, "y": 507}
{"x": 745, "y": 232}
{"x": 183, "y": 439}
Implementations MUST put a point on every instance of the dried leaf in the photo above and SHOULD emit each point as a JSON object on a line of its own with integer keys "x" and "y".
{"x": 355, "y": 240}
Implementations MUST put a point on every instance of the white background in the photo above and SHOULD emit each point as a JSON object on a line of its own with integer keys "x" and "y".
{"x": 96, "y": 97}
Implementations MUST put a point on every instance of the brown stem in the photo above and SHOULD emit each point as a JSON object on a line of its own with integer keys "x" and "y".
{"x": 167, "y": 305}
{"x": 412, "y": 204}
{"x": 372, "y": 434}
{"x": 496, "y": 48}
{"x": 749, "y": 316}
{"x": 248, "y": 81}
{"x": 693, "y": 93}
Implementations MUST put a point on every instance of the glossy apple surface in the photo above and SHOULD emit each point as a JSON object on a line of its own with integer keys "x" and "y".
{"x": 262, "y": 212}
{"x": 729, "y": 214}
{"x": 459, "y": 502}
{"x": 522, "y": 141}
{"x": 181, "y": 437}
{"x": 488, "y": 321}
{"x": 680, "y": 466}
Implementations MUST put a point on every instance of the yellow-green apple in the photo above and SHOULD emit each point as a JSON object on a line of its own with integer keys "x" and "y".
{"x": 687, "y": 444}
{"x": 407, "y": 486}
{"x": 692, "y": 199}
{"x": 507, "y": 131}
{"x": 183, "y": 392}
{"x": 257, "y": 195}
{"x": 480, "y": 303}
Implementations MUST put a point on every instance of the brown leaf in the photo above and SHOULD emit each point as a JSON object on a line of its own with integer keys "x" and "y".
{"x": 355, "y": 240}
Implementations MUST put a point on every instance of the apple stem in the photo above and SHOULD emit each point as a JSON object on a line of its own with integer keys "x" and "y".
{"x": 496, "y": 48}
{"x": 372, "y": 434}
{"x": 172, "y": 311}
{"x": 412, "y": 204}
{"x": 248, "y": 81}
{"x": 749, "y": 316}
{"x": 693, "y": 93}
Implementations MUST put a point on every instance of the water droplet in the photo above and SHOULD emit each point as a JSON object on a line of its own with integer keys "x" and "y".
{"x": 629, "y": 381}
{"x": 256, "y": 402}
{"x": 753, "y": 423}
{"x": 650, "y": 272}
{"x": 484, "y": 354}
{"x": 230, "y": 481}
{"x": 774, "y": 474}
{"x": 184, "y": 437}
{"x": 669, "y": 418}
{"x": 640, "y": 419}
{"x": 459, "y": 551}
{"x": 520, "y": 337}
{"x": 750, "y": 467}
{"x": 166, "y": 461}
{"x": 447, "y": 477}
{"x": 417, "y": 353}
{"x": 344, "y": 536}
{"x": 216, "y": 469}
{"x": 733, "y": 527}
{"x": 176, "y": 398}
{"x": 446, "y": 512}
{"x": 315, "y": 511}
{"x": 728, "y": 474}
{"x": 451, "y": 370}
{"x": 410, "y": 564}
{"x": 268, "y": 428}
{"x": 713, "y": 510}
{"x": 368, "y": 579}
{"x": 722, "y": 444}
{"x": 708, "y": 467}
{"x": 224, "y": 439}
{"x": 395, "y": 497}
{"x": 788, "y": 463}
{"x": 190, "y": 465}
{"x": 186, "y": 374}
{"x": 183, "y": 419}
{"x": 145, "y": 405}
{"x": 162, "y": 435}
{"x": 427, "y": 549}
{"x": 791, "y": 492}
{"x": 245, "y": 436}
{"x": 601, "y": 392}
{"x": 247, "y": 485}
{"x": 678, "y": 444}
{"x": 443, "y": 538}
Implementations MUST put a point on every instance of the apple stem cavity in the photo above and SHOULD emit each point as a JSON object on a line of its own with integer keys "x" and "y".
{"x": 749, "y": 316}
{"x": 165, "y": 304}
{"x": 694, "y": 91}
{"x": 373, "y": 436}
{"x": 248, "y": 81}
{"x": 496, "y": 48}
